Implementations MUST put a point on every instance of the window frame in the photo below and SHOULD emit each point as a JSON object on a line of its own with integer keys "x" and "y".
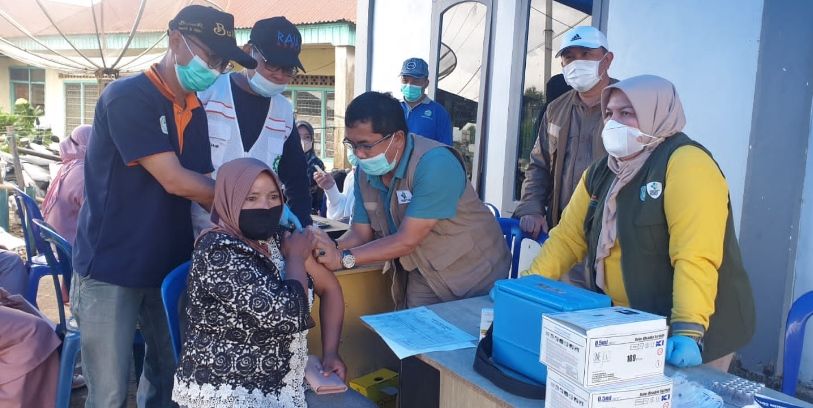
{"x": 439, "y": 7}
{"x": 82, "y": 84}
{"x": 324, "y": 91}
{"x": 13, "y": 98}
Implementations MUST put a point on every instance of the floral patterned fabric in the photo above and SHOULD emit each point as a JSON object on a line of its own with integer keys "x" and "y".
{"x": 245, "y": 342}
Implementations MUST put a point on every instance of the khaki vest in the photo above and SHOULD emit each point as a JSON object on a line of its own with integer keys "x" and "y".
{"x": 462, "y": 256}
{"x": 559, "y": 113}
{"x": 645, "y": 263}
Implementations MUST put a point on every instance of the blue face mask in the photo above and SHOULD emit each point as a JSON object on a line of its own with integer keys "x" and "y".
{"x": 195, "y": 76}
{"x": 411, "y": 92}
{"x": 351, "y": 157}
{"x": 378, "y": 165}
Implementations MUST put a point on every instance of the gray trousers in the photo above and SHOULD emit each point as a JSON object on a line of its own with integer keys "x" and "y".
{"x": 107, "y": 315}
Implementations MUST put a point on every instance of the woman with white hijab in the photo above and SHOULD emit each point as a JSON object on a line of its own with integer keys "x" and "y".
{"x": 654, "y": 221}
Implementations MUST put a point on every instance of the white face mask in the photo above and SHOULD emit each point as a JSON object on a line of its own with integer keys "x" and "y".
{"x": 621, "y": 140}
{"x": 263, "y": 86}
{"x": 582, "y": 75}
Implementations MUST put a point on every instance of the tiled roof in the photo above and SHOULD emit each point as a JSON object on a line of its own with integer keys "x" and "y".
{"x": 118, "y": 15}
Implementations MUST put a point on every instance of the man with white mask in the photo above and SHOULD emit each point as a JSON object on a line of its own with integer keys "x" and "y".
{"x": 569, "y": 137}
{"x": 249, "y": 117}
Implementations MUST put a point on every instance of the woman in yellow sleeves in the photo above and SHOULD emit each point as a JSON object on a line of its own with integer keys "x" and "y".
{"x": 654, "y": 223}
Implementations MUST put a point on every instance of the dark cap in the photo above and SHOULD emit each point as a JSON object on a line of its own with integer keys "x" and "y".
{"x": 279, "y": 41}
{"x": 215, "y": 29}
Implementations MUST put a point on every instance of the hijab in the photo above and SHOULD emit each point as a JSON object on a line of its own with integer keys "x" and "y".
{"x": 72, "y": 152}
{"x": 660, "y": 115}
{"x": 233, "y": 184}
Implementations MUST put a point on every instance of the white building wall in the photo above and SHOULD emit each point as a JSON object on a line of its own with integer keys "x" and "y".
{"x": 803, "y": 279}
{"x": 402, "y": 30}
{"x": 501, "y": 148}
{"x": 710, "y": 53}
{"x": 55, "y": 102}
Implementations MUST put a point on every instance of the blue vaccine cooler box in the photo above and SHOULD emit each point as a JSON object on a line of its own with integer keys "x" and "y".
{"x": 518, "y": 308}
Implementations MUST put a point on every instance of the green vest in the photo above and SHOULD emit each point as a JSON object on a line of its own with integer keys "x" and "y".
{"x": 645, "y": 263}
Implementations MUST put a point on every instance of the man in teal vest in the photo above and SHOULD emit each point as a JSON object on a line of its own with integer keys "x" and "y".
{"x": 415, "y": 209}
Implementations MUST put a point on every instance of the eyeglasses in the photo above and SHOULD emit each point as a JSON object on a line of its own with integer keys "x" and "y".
{"x": 290, "y": 72}
{"x": 365, "y": 147}
{"x": 219, "y": 64}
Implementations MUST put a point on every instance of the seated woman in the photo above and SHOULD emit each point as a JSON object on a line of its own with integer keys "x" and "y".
{"x": 654, "y": 220}
{"x": 249, "y": 303}
{"x": 66, "y": 193}
{"x": 29, "y": 355}
{"x": 339, "y": 203}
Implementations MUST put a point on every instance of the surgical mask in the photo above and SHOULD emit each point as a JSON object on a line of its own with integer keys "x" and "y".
{"x": 263, "y": 86}
{"x": 195, "y": 76}
{"x": 582, "y": 75}
{"x": 411, "y": 92}
{"x": 621, "y": 140}
{"x": 260, "y": 223}
{"x": 352, "y": 158}
{"x": 378, "y": 165}
{"x": 307, "y": 146}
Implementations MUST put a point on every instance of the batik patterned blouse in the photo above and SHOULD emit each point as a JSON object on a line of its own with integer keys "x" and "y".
{"x": 245, "y": 343}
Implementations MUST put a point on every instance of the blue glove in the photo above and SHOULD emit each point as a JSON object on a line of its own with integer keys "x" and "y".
{"x": 289, "y": 220}
{"x": 683, "y": 351}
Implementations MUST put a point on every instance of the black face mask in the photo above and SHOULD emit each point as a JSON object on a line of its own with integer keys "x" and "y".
{"x": 260, "y": 223}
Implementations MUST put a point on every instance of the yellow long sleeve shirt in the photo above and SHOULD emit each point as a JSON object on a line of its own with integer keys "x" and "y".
{"x": 696, "y": 207}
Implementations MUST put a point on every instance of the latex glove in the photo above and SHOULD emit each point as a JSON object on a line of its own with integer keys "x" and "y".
{"x": 683, "y": 351}
{"x": 289, "y": 220}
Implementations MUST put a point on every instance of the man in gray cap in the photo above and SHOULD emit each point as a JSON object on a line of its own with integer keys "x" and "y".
{"x": 424, "y": 116}
{"x": 569, "y": 137}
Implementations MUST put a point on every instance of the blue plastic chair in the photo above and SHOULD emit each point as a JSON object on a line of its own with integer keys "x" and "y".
{"x": 60, "y": 264}
{"x": 27, "y": 211}
{"x": 493, "y": 209}
{"x": 513, "y": 238}
{"x": 799, "y": 313}
{"x": 172, "y": 288}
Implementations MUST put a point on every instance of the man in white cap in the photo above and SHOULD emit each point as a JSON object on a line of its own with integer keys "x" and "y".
{"x": 569, "y": 137}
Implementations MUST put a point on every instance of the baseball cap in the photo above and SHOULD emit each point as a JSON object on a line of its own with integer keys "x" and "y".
{"x": 278, "y": 40}
{"x": 583, "y": 36}
{"x": 215, "y": 29}
{"x": 415, "y": 67}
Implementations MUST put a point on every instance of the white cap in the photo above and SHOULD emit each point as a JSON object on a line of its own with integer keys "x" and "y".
{"x": 583, "y": 36}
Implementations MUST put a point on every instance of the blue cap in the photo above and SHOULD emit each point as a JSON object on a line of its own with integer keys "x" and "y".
{"x": 415, "y": 67}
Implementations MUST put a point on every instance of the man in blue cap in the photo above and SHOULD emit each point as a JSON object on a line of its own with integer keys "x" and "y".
{"x": 424, "y": 116}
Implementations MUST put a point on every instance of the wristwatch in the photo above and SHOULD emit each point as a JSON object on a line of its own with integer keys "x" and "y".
{"x": 348, "y": 260}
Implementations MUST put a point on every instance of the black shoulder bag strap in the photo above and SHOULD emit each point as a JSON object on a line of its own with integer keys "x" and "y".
{"x": 485, "y": 366}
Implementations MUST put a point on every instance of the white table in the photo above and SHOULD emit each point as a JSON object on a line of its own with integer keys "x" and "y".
{"x": 460, "y": 386}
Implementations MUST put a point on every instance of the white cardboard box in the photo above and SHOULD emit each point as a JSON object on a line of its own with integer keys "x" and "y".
{"x": 603, "y": 346}
{"x": 653, "y": 392}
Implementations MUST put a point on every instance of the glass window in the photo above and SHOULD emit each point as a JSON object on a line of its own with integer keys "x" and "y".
{"x": 540, "y": 66}
{"x": 460, "y": 72}
{"x": 19, "y": 74}
{"x": 29, "y": 84}
{"x": 37, "y": 75}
